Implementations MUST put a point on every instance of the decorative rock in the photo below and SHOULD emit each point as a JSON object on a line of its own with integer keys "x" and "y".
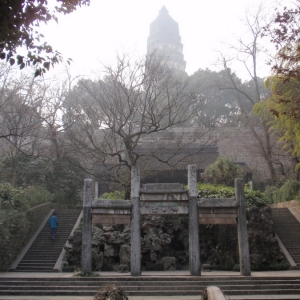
{"x": 123, "y": 268}
{"x": 169, "y": 263}
{"x": 167, "y": 236}
{"x": 109, "y": 250}
{"x": 206, "y": 267}
{"x": 108, "y": 228}
{"x": 156, "y": 243}
{"x": 97, "y": 260}
{"x": 165, "y": 239}
{"x": 124, "y": 255}
{"x": 153, "y": 256}
{"x": 97, "y": 235}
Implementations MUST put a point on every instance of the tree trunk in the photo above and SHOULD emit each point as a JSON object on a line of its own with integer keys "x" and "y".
{"x": 127, "y": 192}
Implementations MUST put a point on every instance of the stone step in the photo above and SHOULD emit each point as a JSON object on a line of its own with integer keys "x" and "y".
{"x": 44, "y": 252}
{"x": 285, "y": 229}
{"x": 41, "y": 261}
{"x": 45, "y": 268}
{"x": 46, "y": 264}
{"x": 59, "y": 235}
{"x": 135, "y": 281}
{"x": 75, "y": 291}
{"x": 48, "y": 246}
{"x": 106, "y": 276}
{"x": 33, "y": 254}
{"x": 287, "y": 223}
{"x": 283, "y": 221}
{"x": 149, "y": 285}
{"x": 40, "y": 256}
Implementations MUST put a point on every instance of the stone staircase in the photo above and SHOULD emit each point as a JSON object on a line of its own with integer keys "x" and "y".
{"x": 44, "y": 252}
{"x": 238, "y": 287}
{"x": 287, "y": 227}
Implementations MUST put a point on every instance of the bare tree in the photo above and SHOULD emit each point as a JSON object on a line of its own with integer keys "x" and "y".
{"x": 249, "y": 53}
{"x": 19, "y": 123}
{"x": 31, "y": 128}
{"x": 133, "y": 104}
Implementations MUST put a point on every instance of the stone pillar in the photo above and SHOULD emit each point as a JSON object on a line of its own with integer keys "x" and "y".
{"x": 135, "y": 261}
{"x": 96, "y": 190}
{"x": 194, "y": 246}
{"x": 86, "y": 251}
{"x": 245, "y": 267}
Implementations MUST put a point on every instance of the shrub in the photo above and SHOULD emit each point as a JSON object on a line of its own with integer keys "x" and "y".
{"x": 65, "y": 180}
{"x": 290, "y": 190}
{"x": 20, "y": 199}
{"x": 113, "y": 195}
{"x": 255, "y": 198}
{"x": 80, "y": 273}
{"x": 223, "y": 171}
{"x": 252, "y": 197}
{"x": 280, "y": 266}
{"x": 205, "y": 190}
{"x": 112, "y": 292}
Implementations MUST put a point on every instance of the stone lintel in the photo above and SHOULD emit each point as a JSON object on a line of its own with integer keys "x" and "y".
{"x": 217, "y": 221}
{"x": 111, "y": 211}
{"x": 174, "y": 187}
{"x": 217, "y": 210}
{"x": 164, "y": 210}
{"x": 164, "y": 196}
{"x": 212, "y": 216}
{"x": 111, "y": 219}
{"x": 111, "y": 204}
{"x": 152, "y": 203}
{"x": 217, "y": 202}
{"x": 163, "y": 192}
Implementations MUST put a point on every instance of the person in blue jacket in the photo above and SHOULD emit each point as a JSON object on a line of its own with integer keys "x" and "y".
{"x": 53, "y": 224}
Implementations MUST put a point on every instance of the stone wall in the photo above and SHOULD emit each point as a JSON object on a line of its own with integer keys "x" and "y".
{"x": 239, "y": 144}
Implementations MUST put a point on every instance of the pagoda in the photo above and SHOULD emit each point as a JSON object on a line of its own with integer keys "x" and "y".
{"x": 164, "y": 37}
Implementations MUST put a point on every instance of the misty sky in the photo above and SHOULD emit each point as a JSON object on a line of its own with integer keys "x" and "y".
{"x": 94, "y": 35}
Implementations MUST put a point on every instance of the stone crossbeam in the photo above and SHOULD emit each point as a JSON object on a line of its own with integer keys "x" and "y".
{"x": 164, "y": 199}
{"x": 217, "y": 202}
{"x": 111, "y": 212}
{"x": 217, "y": 210}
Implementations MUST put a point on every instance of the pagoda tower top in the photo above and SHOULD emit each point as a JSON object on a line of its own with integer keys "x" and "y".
{"x": 164, "y": 37}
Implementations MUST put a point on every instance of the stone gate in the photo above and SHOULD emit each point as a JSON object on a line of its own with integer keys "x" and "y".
{"x": 162, "y": 199}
